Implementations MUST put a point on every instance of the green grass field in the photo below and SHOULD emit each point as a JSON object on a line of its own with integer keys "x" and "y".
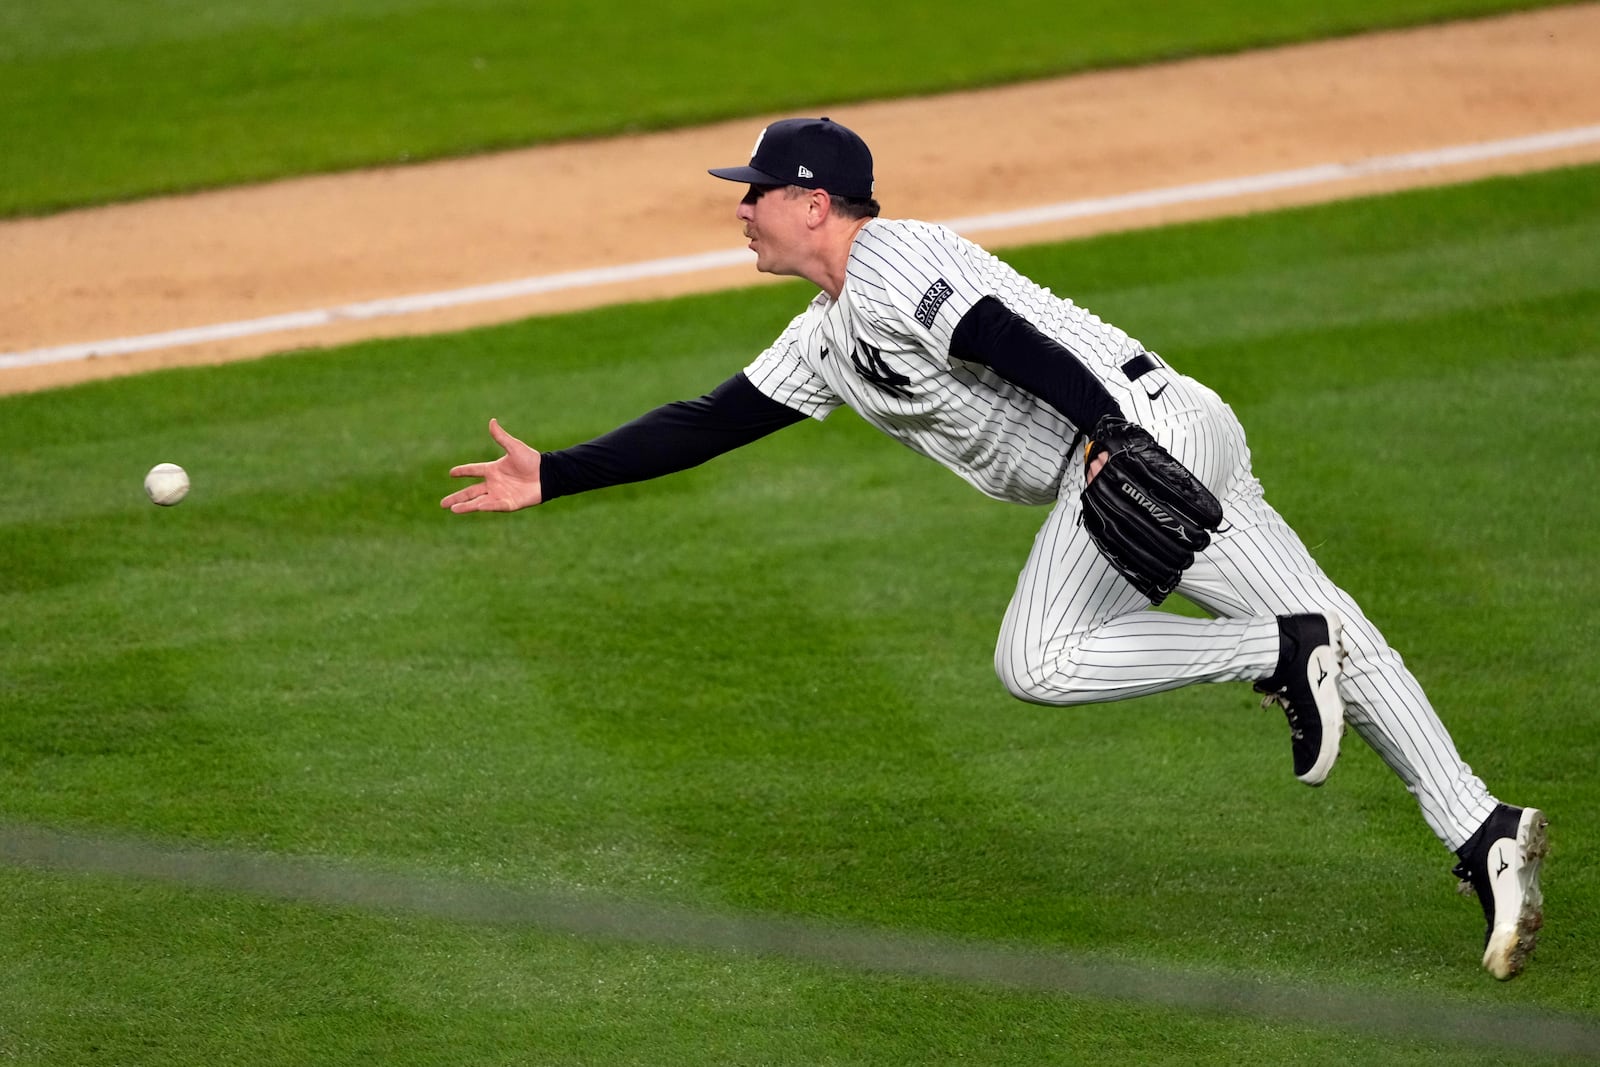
{"x": 763, "y": 687}
{"x": 105, "y": 100}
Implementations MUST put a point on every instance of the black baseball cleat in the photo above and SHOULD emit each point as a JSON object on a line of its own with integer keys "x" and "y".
{"x": 1501, "y": 865}
{"x": 1305, "y": 685}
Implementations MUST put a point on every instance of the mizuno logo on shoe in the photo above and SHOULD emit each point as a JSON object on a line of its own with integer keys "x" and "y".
{"x": 1322, "y": 674}
{"x": 1503, "y": 864}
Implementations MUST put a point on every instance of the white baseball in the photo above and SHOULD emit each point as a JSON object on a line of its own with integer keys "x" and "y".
{"x": 166, "y": 484}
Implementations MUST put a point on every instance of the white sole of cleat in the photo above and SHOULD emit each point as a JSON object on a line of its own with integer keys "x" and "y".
{"x": 1512, "y": 940}
{"x": 1324, "y": 670}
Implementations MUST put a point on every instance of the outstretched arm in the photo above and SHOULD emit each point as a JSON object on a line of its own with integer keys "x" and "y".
{"x": 510, "y": 483}
{"x": 673, "y": 437}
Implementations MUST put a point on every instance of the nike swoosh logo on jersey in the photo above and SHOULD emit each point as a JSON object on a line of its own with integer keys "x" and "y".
{"x": 824, "y": 351}
{"x": 1158, "y": 392}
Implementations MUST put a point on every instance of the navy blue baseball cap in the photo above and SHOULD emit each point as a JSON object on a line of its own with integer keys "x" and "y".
{"x": 812, "y": 153}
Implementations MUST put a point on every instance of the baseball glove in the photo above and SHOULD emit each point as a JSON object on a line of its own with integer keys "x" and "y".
{"x": 1147, "y": 513}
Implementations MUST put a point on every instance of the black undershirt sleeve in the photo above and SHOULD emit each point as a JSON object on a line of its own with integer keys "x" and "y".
{"x": 671, "y": 438}
{"x": 998, "y": 338}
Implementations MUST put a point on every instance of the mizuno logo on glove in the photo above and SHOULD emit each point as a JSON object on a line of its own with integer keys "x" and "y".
{"x": 1147, "y": 513}
{"x": 1156, "y": 511}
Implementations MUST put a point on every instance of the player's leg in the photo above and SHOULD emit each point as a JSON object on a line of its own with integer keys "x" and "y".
{"x": 1258, "y": 567}
{"x": 1075, "y": 631}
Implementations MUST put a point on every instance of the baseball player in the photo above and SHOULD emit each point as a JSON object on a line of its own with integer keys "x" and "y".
{"x": 1032, "y": 399}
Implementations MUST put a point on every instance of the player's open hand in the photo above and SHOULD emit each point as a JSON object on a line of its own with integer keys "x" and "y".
{"x": 509, "y": 483}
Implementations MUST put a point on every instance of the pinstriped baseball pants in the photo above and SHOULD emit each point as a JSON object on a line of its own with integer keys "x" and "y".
{"x": 1076, "y": 632}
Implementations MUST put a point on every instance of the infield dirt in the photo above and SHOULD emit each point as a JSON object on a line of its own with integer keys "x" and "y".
{"x": 322, "y": 242}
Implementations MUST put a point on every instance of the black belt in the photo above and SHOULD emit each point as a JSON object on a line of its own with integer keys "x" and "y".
{"x": 1139, "y": 366}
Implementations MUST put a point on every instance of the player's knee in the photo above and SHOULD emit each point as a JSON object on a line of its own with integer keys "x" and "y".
{"x": 1036, "y": 678}
{"x": 1012, "y": 675}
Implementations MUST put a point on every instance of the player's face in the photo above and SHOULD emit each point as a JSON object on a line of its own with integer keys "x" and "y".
{"x": 775, "y": 222}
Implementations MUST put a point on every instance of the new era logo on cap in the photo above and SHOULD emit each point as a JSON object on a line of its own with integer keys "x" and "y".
{"x": 814, "y": 153}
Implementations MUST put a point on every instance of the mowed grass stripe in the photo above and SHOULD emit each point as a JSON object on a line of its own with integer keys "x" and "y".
{"x": 851, "y": 947}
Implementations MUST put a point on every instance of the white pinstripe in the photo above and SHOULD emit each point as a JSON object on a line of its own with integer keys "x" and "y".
{"x": 1075, "y": 631}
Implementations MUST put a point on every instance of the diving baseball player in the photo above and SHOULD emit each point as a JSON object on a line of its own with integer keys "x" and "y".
{"x": 1032, "y": 399}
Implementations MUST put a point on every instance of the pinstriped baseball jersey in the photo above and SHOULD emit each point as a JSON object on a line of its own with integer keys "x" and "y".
{"x": 1075, "y": 632}
{"x": 881, "y": 348}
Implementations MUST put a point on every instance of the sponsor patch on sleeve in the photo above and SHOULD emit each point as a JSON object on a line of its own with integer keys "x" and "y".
{"x": 932, "y": 301}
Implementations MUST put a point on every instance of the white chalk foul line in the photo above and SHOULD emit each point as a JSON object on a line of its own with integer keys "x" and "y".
{"x": 1197, "y": 192}
{"x": 1276, "y": 181}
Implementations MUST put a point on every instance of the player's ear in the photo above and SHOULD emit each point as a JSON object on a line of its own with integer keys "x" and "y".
{"x": 818, "y": 209}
